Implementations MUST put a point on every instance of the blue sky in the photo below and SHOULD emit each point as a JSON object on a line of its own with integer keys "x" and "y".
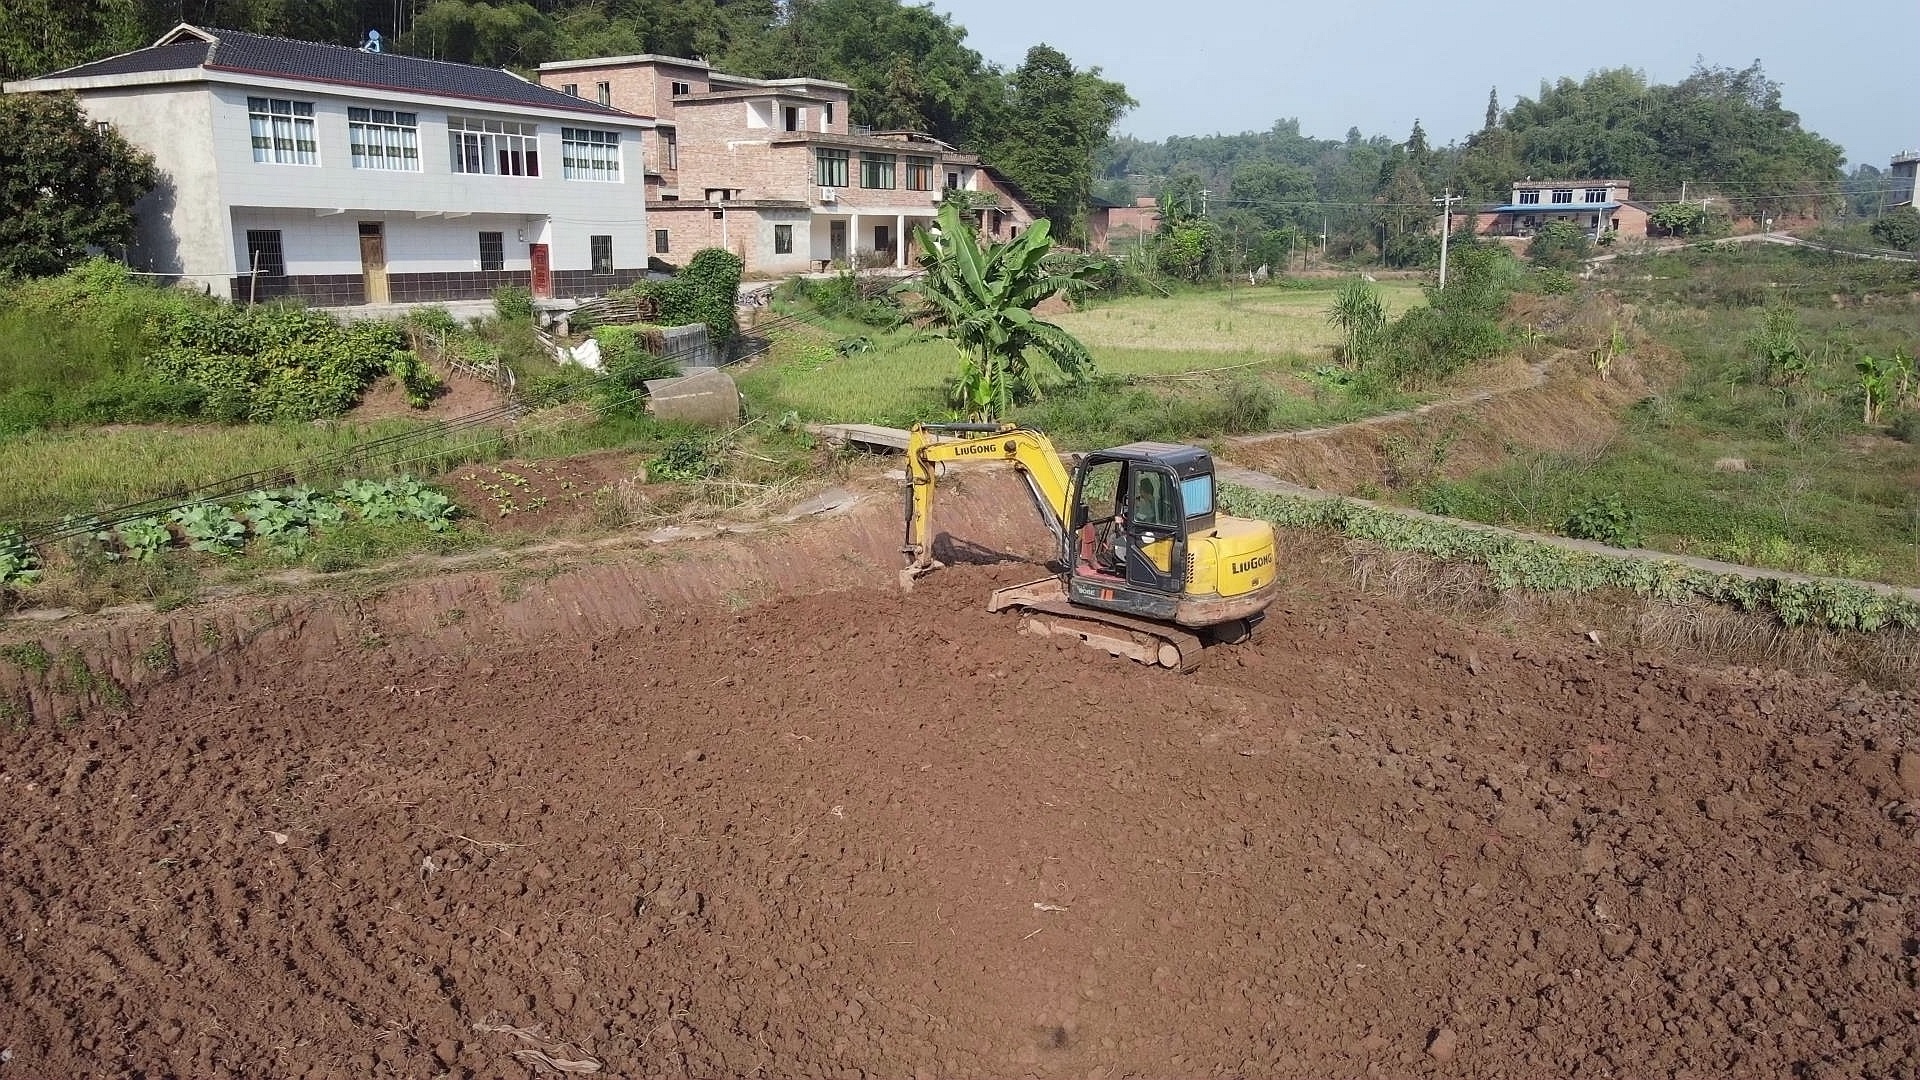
{"x": 1199, "y": 67}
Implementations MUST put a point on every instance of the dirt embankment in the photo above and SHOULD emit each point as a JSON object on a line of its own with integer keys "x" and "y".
{"x": 1561, "y": 402}
{"x": 760, "y": 813}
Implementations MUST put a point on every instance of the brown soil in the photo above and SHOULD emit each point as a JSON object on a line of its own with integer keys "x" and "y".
{"x": 464, "y": 396}
{"x": 542, "y": 496}
{"x": 748, "y": 809}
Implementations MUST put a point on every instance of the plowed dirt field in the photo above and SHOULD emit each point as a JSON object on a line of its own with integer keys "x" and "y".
{"x": 745, "y": 809}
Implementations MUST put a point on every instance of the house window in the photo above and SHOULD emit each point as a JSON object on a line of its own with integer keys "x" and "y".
{"x": 791, "y": 116}
{"x": 1596, "y": 194}
{"x": 590, "y": 154}
{"x": 384, "y": 139}
{"x": 953, "y": 181}
{"x": 919, "y": 174}
{"x": 494, "y": 147}
{"x": 493, "y": 251}
{"x": 570, "y": 89}
{"x": 671, "y": 142}
{"x": 660, "y": 244}
{"x": 1563, "y": 195}
{"x": 264, "y": 253}
{"x": 282, "y": 131}
{"x": 826, "y": 116}
{"x": 783, "y": 239}
{"x": 602, "y": 247}
{"x": 833, "y": 167}
{"x": 681, "y": 89}
{"x": 1529, "y": 198}
{"x": 876, "y": 170}
{"x": 603, "y": 92}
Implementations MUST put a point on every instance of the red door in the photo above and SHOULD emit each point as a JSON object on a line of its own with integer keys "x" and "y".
{"x": 542, "y": 271}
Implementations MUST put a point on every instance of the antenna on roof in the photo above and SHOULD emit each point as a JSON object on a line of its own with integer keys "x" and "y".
{"x": 372, "y": 44}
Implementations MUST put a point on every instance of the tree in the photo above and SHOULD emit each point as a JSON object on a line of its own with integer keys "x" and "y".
{"x": 981, "y": 297}
{"x": 65, "y": 185}
{"x": 1055, "y": 122}
{"x": 1493, "y": 109}
{"x": 1900, "y": 228}
{"x": 1682, "y": 219}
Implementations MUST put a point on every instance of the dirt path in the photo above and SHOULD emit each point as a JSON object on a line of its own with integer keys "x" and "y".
{"x": 760, "y": 813}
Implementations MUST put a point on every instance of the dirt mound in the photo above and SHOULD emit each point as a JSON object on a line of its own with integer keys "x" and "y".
{"x": 827, "y": 829}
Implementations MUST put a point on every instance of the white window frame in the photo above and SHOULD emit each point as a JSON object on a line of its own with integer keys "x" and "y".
{"x": 1528, "y": 198}
{"x": 385, "y": 140}
{"x": 478, "y": 147}
{"x": 1596, "y": 194}
{"x": 1562, "y": 196}
{"x": 282, "y": 131}
{"x": 590, "y": 154}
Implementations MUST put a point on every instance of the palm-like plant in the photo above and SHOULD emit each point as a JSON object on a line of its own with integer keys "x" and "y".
{"x": 981, "y": 297}
{"x": 1358, "y": 313}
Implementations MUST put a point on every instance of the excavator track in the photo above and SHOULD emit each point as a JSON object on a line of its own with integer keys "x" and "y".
{"x": 1046, "y": 613}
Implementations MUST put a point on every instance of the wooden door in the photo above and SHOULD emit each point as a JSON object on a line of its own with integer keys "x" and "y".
{"x": 539, "y": 260}
{"x": 373, "y": 261}
{"x": 837, "y": 241}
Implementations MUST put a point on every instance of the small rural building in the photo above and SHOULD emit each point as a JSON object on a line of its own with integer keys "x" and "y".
{"x": 1114, "y": 225}
{"x": 349, "y": 176}
{"x": 1903, "y": 178}
{"x": 1598, "y": 207}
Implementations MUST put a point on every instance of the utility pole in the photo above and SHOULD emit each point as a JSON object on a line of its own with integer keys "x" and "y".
{"x": 1204, "y": 196}
{"x": 1323, "y": 241}
{"x": 1683, "y": 191}
{"x": 1445, "y": 203}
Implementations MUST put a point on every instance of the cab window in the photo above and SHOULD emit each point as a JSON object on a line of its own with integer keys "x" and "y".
{"x": 1154, "y": 501}
{"x": 1197, "y": 493}
{"x": 1098, "y": 487}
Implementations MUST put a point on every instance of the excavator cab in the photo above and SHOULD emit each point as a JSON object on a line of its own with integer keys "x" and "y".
{"x": 1132, "y": 512}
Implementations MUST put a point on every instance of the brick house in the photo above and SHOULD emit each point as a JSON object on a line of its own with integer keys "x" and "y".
{"x": 1112, "y": 224}
{"x": 1598, "y": 207}
{"x": 350, "y": 176}
{"x": 771, "y": 170}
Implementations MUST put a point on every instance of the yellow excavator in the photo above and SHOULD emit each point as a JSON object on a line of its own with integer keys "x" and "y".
{"x": 1150, "y": 570}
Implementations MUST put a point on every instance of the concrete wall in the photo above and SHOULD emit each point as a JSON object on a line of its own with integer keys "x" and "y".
{"x": 182, "y": 226}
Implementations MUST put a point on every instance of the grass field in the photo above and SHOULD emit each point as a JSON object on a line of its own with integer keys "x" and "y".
{"x": 1222, "y": 339}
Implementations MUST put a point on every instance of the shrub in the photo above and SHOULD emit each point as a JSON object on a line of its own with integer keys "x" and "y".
{"x": 707, "y": 291}
{"x": 1905, "y": 426}
{"x": 628, "y": 365}
{"x": 1559, "y": 244}
{"x": 1607, "y": 520}
{"x": 513, "y": 303}
{"x": 1899, "y": 228}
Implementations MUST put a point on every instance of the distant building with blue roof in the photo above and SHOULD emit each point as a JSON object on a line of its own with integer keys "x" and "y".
{"x": 1597, "y": 207}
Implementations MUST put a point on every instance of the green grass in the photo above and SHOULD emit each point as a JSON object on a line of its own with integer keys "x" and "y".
{"x": 1820, "y": 492}
{"x": 47, "y": 475}
{"x": 1241, "y": 347}
{"x": 1177, "y": 333}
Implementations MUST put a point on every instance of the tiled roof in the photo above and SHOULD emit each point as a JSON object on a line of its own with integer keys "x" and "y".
{"x": 258, "y": 54}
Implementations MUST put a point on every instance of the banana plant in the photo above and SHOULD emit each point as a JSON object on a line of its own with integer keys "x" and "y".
{"x": 981, "y": 297}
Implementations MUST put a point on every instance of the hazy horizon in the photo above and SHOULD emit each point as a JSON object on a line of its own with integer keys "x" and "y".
{"x": 1258, "y": 63}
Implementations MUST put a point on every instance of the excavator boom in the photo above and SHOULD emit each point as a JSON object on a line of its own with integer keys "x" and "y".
{"x": 929, "y": 446}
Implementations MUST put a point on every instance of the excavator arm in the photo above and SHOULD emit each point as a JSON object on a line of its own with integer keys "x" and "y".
{"x": 931, "y": 445}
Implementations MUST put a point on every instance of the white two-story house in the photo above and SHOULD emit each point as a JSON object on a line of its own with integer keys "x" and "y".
{"x": 346, "y": 176}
